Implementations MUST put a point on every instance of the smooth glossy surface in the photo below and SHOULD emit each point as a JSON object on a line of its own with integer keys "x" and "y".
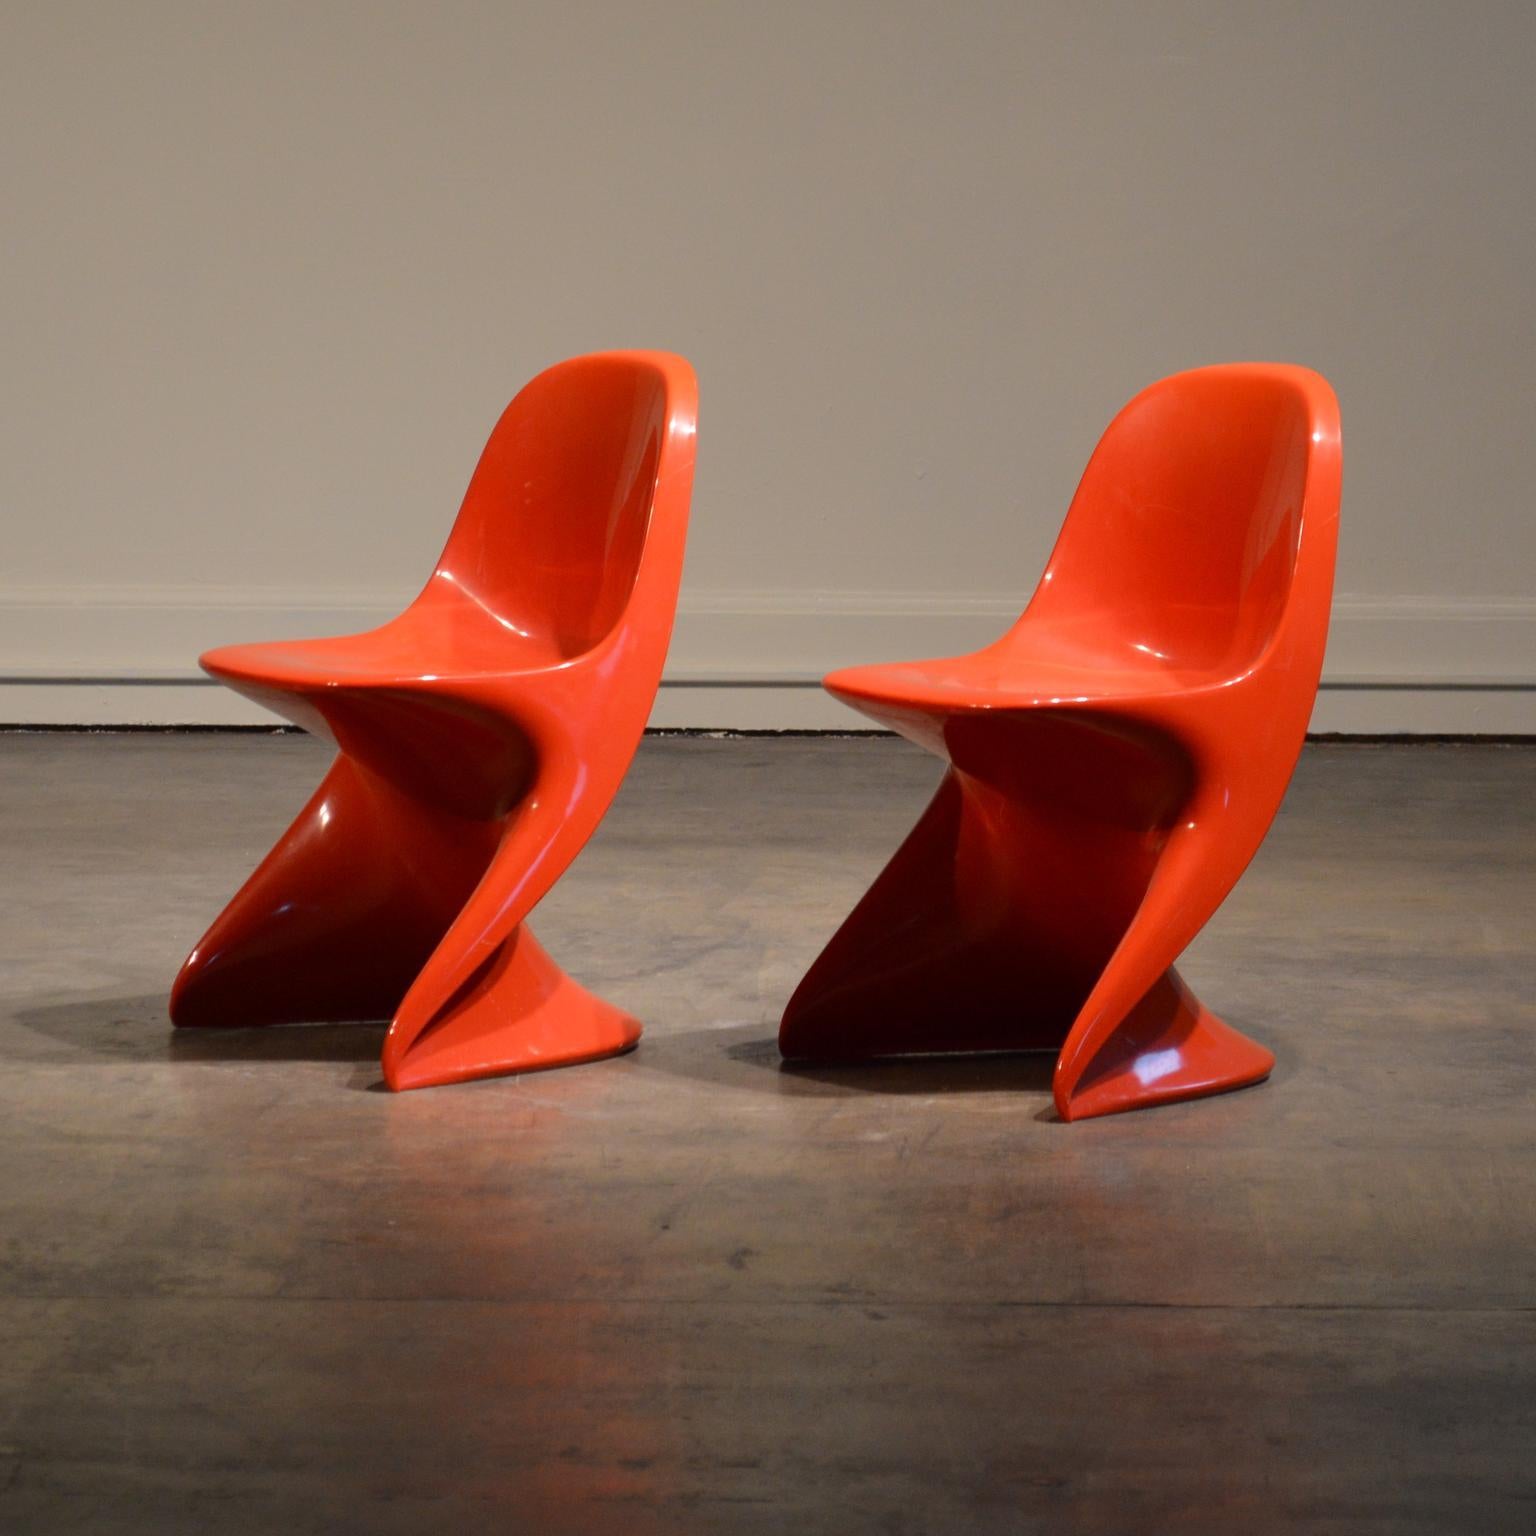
{"x": 482, "y": 735}
{"x": 1115, "y": 760}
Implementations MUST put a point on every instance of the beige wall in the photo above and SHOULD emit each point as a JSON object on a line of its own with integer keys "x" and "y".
{"x": 271, "y": 270}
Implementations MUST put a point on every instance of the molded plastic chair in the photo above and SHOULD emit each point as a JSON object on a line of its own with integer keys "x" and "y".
{"x": 482, "y": 735}
{"x": 1115, "y": 760}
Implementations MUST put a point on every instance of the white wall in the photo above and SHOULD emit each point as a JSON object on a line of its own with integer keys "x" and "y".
{"x": 270, "y": 271}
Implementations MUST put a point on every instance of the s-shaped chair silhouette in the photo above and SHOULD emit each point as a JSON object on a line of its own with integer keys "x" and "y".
{"x": 482, "y": 735}
{"x": 1115, "y": 760}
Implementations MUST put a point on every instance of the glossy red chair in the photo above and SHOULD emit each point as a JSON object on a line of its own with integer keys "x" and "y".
{"x": 1114, "y": 760}
{"x": 481, "y": 735}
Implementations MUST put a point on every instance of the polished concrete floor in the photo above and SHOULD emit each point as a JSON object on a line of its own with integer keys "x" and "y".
{"x": 244, "y": 1290}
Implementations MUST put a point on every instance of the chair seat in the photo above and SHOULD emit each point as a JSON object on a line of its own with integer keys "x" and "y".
{"x": 421, "y": 647}
{"x": 993, "y": 680}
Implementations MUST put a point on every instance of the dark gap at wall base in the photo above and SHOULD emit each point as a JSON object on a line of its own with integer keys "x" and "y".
{"x": 1351, "y": 738}
{"x": 1426, "y": 739}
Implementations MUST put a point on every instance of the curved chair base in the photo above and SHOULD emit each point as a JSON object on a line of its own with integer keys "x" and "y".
{"x": 1010, "y": 917}
{"x": 519, "y": 1013}
{"x": 356, "y": 916}
{"x": 1169, "y": 1047}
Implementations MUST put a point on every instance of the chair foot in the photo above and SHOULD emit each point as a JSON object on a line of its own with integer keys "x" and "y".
{"x": 1169, "y": 1047}
{"x": 517, "y": 1012}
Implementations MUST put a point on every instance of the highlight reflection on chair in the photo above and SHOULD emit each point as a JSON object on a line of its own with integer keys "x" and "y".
{"x": 1115, "y": 760}
{"x": 482, "y": 735}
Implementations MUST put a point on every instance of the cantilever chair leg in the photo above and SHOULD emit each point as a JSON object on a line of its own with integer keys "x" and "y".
{"x": 1029, "y": 910}
{"x": 490, "y": 1000}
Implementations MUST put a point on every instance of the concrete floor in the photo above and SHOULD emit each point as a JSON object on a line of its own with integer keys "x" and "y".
{"x": 242, "y": 1290}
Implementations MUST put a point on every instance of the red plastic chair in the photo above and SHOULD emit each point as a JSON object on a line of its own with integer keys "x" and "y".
{"x": 1115, "y": 760}
{"x": 482, "y": 735}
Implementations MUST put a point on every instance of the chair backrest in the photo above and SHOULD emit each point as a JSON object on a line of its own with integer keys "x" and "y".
{"x": 555, "y": 521}
{"x": 1182, "y": 541}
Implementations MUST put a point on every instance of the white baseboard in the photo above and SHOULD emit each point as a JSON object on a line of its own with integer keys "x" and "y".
{"x": 739, "y": 660}
{"x": 791, "y": 707}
